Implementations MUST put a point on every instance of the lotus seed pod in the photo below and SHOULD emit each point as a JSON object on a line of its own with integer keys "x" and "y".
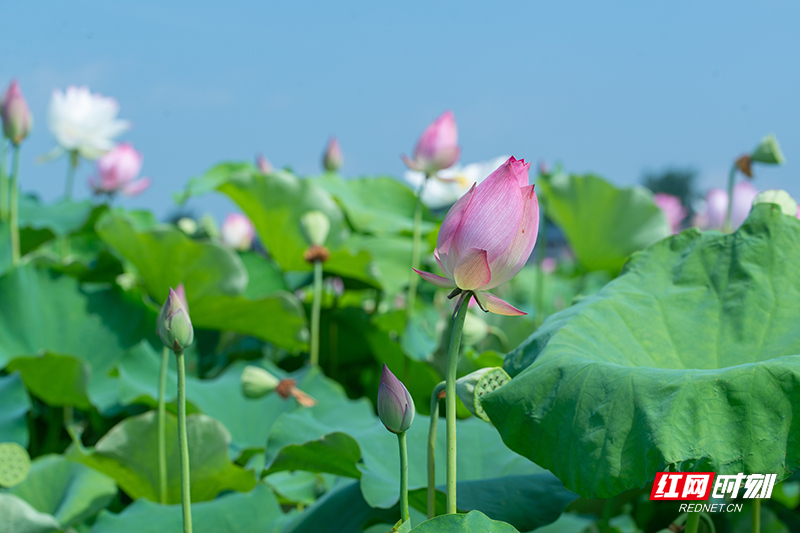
{"x": 257, "y": 382}
{"x": 768, "y": 152}
{"x": 174, "y": 324}
{"x": 780, "y": 197}
{"x": 15, "y": 463}
{"x": 472, "y": 387}
{"x": 316, "y": 226}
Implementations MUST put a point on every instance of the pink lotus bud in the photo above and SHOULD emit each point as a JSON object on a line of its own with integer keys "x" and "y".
{"x": 237, "y": 232}
{"x": 395, "y": 404}
{"x": 437, "y": 148}
{"x": 549, "y": 265}
{"x": 713, "y": 216}
{"x": 264, "y": 165}
{"x": 333, "y": 158}
{"x": 672, "y": 208}
{"x": 488, "y": 235}
{"x": 117, "y": 171}
{"x": 181, "y": 292}
{"x": 17, "y": 118}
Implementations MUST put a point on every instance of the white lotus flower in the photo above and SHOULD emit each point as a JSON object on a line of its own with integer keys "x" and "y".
{"x": 238, "y": 232}
{"x": 84, "y": 122}
{"x": 451, "y": 184}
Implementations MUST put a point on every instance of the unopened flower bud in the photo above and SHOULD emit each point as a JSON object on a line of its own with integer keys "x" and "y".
{"x": 471, "y": 387}
{"x": 264, "y": 165}
{"x": 333, "y": 158}
{"x": 395, "y": 405}
{"x": 257, "y": 382}
{"x": 316, "y": 226}
{"x": 768, "y": 152}
{"x": 174, "y": 324}
{"x": 238, "y": 232}
{"x": 780, "y": 197}
{"x": 17, "y": 118}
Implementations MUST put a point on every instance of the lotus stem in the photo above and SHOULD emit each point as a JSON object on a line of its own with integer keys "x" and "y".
{"x": 3, "y": 182}
{"x": 162, "y": 427}
{"x": 731, "y": 180}
{"x": 432, "y": 432}
{"x": 756, "y": 524}
{"x": 183, "y": 440}
{"x": 411, "y": 300}
{"x": 692, "y": 522}
{"x": 401, "y": 439}
{"x": 450, "y": 399}
{"x": 315, "y": 311}
{"x": 73, "y": 165}
{"x": 15, "y": 255}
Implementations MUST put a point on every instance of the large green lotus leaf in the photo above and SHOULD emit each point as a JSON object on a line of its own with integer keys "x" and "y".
{"x": 69, "y": 491}
{"x": 17, "y": 516}
{"x": 14, "y": 406}
{"x": 391, "y": 259}
{"x": 166, "y": 257}
{"x": 129, "y": 454}
{"x": 264, "y": 276}
{"x": 472, "y": 522}
{"x": 62, "y": 217}
{"x": 274, "y": 203}
{"x": 254, "y": 512}
{"x": 42, "y": 312}
{"x": 687, "y": 361}
{"x": 55, "y": 379}
{"x": 377, "y": 205}
{"x": 603, "y": 224}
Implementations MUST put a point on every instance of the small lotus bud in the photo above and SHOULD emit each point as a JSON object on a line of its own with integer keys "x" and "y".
{"x": 174, "y": 324}
{"x": 264, "y": 165}
{"x": 257, "y": 382}
{"x": 781, "y": 198}
{"x": 471, "y": 387}
{"x": 333, "y": 158}
{"x": 395, "y": 405}
{"x": 187, "y": 225}
{"x": 238, "y": 232}
{"x": 17, "y": 118}
{"x": 316, "y": 226}
{"x": 768, "y": 152}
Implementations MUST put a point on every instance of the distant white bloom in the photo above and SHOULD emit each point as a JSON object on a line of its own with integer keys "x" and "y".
{"x": 84, "y": 122}
{"x": 450, "y": 184}
{"x": 237, "y": 231}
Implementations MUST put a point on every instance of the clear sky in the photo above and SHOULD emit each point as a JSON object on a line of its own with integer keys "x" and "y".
{"x": 616, "y": 88}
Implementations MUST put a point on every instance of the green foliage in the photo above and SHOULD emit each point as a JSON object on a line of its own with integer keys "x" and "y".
{"x": 20, "y": 517}
{"x": 472, "y": 522}
{"x": 14, "y": 406}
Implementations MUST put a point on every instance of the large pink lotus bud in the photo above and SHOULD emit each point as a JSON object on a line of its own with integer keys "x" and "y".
{"x": 488, "y": 235}
{"x": 672, "y": 208}
{"x": 437, "y": 148}
{"x": 333, "y": 159}
{"x": 237, "y": 232}
{"x": 117, "y": 171}
{"x": 17, "y": 118}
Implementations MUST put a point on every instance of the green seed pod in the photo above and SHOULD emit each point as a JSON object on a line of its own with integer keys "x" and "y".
{"x": 768, "y": 152}
{"x": 14, "y": 464}
{"x": 471, "y": 387}
{"x": 780, "y": 197}
{"x": 316, "y": 226}
{"x": 257, "y": 382}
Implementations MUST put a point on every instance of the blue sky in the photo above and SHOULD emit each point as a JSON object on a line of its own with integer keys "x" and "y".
{"x": 615, "y": 88}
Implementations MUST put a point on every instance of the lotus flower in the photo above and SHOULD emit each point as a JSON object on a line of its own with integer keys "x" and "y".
{"x": 174, "y": 325}
{"x": 117, "y": 171}
{"x": 672, "y": 208}
{"x": 333, "y": 159}
{"x": 395, "y": 404}
{"x": 437, "y": 148}
{"x": 263, "y": 164}
{"x": 85, "y": 122}
{"x": 713, "y": 215}
{"x": 237, "y": 232}
{"x": 452, "y": 183}
{"x": 17, "y": 118}
{"x": 488, "y": 235}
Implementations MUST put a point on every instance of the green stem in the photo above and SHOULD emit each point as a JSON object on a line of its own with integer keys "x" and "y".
{"x": 692, "y": 522}
{"x": 315, "y": 310}
{"x": 731, "y": 180}
{"x": 450, "y": 401}
{"x": 401, "y": 439}
{"x": 162, "y": 427}
{"x": 73, "y": 164}
{"x": 186, "y": 498}
{"x": 3, "y": 182}
{"x": 756, "y": 524}
{"x": 15, "y": 209}
{"x": 411, "y": 301}
{"x": 432, "y": 433}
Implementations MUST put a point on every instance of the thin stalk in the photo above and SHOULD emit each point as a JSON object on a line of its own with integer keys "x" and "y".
{"x": 162, "y": 427}
{"x": 692, "y": 522}
{"x": 73, "y": 165}
{"x": 756, "y": 523}
{"x": 186, "y": 498}
{"x": 15, "y": 208}
{"x": 731, "y": 180}
{"x": 3, "y": 182}
{"x": 432, "y": 432}
{"x": 411, "y": 300}
{"x": 401, "y": 439}
{"x": 315, "y": 310}
{"x": 450, "y": 400}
